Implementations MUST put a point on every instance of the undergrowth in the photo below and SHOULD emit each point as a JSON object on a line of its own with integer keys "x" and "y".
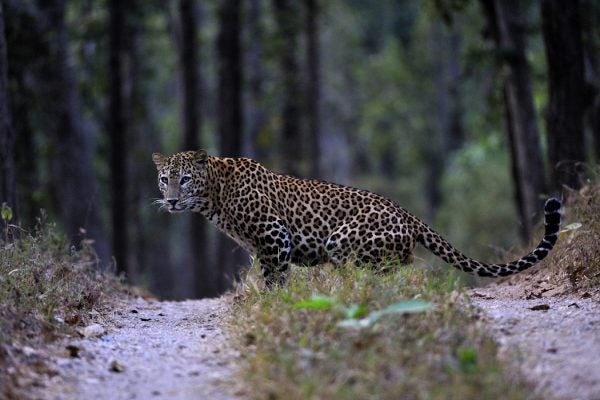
{"x": 576, "y": 257}
{"x": 47, "y": 289}
{"x": 299, "y": 344}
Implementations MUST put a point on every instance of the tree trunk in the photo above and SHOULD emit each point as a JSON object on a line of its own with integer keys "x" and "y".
{"x": 508, "y": 32}
{"x": 590, "y": 32}
{"x": 257, "y": 145}
{"x": 286, "y": 16}
{"x": 74, "y": 177}
{"x": 230, "y": 120}
{"x": 7, "y": 139}
{"x": 313, "y": 86}
{"x": 561, "y": 28}
{"x": 199, "y": 271}
{"x": 447, "y": 133}
{"x": 594, "y": 113}
{"x": 117, "y": 133}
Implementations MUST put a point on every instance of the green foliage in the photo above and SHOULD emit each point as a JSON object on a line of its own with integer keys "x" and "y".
{"x": 355, "y": 311}
{"x": 6, "y": 213}
{"x": 298, "y": 345}
{"x": 400, "y": 308}
{"x": 478, "y": 211}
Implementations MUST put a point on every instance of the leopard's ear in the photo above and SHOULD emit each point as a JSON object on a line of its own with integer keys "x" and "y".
{"x": 159, "y": 160}
{"x": 201, "y": 156}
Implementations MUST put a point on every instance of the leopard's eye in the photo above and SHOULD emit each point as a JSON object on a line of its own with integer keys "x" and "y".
{"x": 164, "y": 180}
{"x": 184, "y": 180}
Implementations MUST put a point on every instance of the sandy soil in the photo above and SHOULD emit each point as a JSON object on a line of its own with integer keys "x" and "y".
{"x": 149, "y": 350}
{"x": 552, "y": 337}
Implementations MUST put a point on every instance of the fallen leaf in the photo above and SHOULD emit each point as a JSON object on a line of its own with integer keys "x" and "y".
{"x": 482, "y": 295}
{"x": 400, "y": 308}
{"x": 316, "y": 302}
{"x": 73, "y": 350}
{"x": 249, "y": 338}
{"x": 72, "y": 319}
{"x": 540, "y": 307}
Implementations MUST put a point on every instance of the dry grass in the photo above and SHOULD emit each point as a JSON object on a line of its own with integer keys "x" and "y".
{"x": 575, "y": 261}
{"x": 295, "y": 352}
{"x": 47, "y": 289}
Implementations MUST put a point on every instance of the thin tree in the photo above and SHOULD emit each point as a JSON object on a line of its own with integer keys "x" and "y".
{"x": 506, "y": 25}
{"x": 446, "y": 134}
{"x": 313, "y": 86}
{"x": 287, "y": 18}
{"x": 196, "y": 261}
{"x": 117, "y": 132}
{"x": 7, "y": 139}
{"x": 230, "y": 117}
{"x": 561, "y": 27}
{"x": 256, "y": 120}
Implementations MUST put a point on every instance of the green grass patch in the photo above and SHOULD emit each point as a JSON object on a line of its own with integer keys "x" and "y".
{"x": 351, "y": 333}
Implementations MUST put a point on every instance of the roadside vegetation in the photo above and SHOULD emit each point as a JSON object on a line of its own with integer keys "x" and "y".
{"x": 576, "y": 259}
{"x": 47, "y": 289}
{"x": 348, "y": 333}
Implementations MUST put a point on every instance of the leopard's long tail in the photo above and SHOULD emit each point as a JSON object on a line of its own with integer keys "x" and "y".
{"x": 441, "y": 248}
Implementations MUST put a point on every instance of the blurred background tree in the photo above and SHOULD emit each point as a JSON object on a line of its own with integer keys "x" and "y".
{"x": 468, "y": 113}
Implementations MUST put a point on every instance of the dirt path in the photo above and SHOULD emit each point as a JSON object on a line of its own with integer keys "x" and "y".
{"x": 178, "y": 350}
{"x": 555, "y": 341}
{"x": 150, "y": 350}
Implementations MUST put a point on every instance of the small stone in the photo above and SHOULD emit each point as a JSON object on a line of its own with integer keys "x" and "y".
{"x": 94, "y": 330}
{"x": 116, "y": 366}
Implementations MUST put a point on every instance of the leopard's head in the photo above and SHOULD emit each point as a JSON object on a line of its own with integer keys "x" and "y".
{"x": 181, "y": 179}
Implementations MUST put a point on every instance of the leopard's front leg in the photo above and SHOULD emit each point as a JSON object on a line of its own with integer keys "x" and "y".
{"x": 274, "y": 250}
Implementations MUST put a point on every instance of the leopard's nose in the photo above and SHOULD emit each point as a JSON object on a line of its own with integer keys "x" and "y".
{"x": 172, "y": 202}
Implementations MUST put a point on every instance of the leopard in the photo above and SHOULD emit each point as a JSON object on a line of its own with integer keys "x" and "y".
{"x": 283, "y": 220}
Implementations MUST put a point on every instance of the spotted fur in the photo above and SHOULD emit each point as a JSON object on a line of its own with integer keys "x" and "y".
{"x": 283, "y": 220}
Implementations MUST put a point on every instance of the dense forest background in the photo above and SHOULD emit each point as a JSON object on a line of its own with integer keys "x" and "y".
{"x": 468, "y": 113}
